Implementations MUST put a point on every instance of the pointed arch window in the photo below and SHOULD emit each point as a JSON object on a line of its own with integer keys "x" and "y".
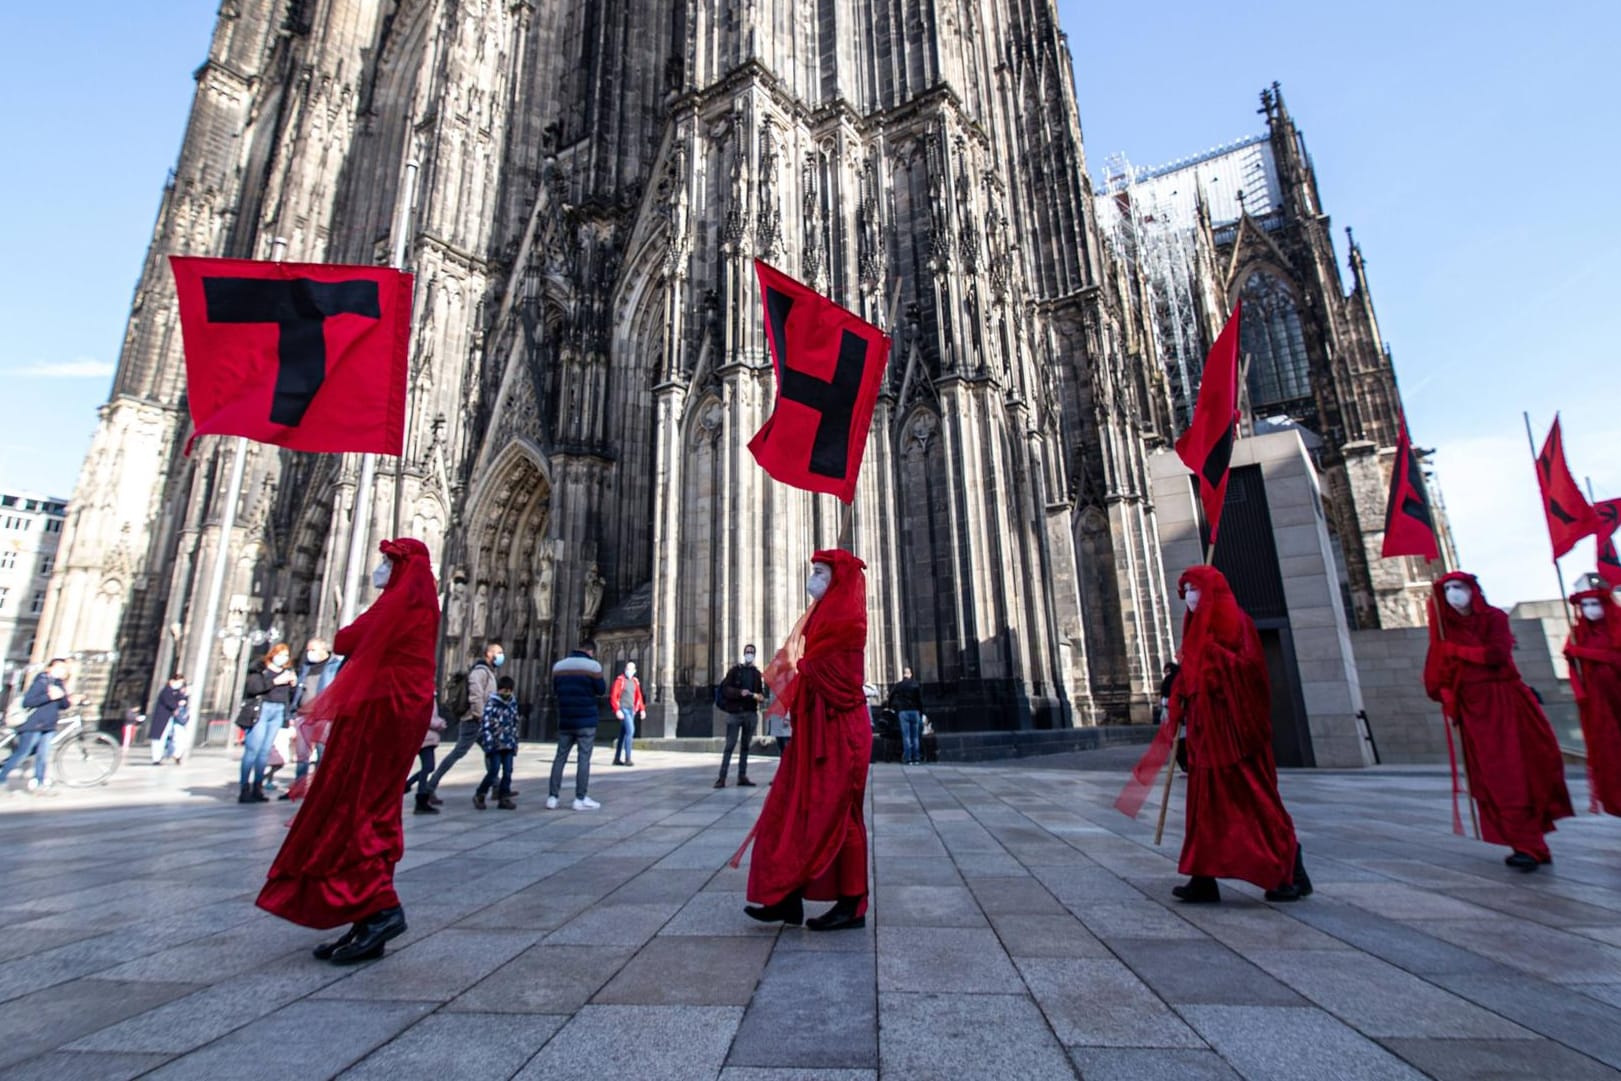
{"x": 1272, "y": 339}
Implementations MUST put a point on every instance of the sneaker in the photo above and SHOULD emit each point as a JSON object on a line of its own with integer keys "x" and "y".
{"x": 721, "y": 783}
{"x": 551, "y": 803}
{"x": 744, "y": 782}
{"x": 478, "y": 800}
{"x": 436, "y": 801}
{"x": 586, "y": 803}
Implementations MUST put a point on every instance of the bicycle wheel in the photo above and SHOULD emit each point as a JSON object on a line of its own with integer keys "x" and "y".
{"x": 87, "y": 760}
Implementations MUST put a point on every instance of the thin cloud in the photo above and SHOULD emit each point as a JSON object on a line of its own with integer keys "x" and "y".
{"x": 84, "y": 368}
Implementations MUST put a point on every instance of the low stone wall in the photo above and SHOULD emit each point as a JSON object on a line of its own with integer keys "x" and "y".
{"x": 1407, "y": 726}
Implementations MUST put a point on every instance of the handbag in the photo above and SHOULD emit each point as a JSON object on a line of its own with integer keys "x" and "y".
{"x": 248, "y": 715}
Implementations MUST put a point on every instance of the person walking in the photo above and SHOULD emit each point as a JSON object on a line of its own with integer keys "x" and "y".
{"x": 337, "y": 862}
{"x": 46, "y": 696}
{"x": 315, "y": 674}
{"x": 425, "y": 756}
{"x": 168, "y": 726}
{"x": 577, "y": 683}
{"x": 269, "y": 694}
{"x": 498, "y": 736}
{"x": 906, "y": 699}
{"x": 739, "y": 698}
{"x": 1594, "y": 652}
{"x": 479, "y": 684}
{"x": 626, "y": 700}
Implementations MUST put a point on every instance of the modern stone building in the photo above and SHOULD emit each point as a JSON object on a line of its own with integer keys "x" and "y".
{"x": 30, "y": 530}
{"x": 589, "y": 358}
{"x": 1245, "y": 221}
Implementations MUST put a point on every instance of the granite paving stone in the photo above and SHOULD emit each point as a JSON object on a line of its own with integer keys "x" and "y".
{"x": 47, "y": 1019}
{"x": 1136, "y": 1064}
{"x": 1201, "y": 972}
{"x": 811, "y": 1011}
{"x": 691, "y": 971}
{"x": 544, "y": 979}
{"x": 1499, "y": 1060}
{"x": 978, "y": 1037}
{"x": 944, "y": 959}
{"x": 929, "y": 906}
{"x": 86, "y": 1066}
{"x": 438, "y": 968}
{"x": 1099, "y": 1002}
{"x": 1046, "y": 936}
{"x": 690, "y": 1043}
{"x": 439, "y": 1046}
{"x": 1283, "y": 1043}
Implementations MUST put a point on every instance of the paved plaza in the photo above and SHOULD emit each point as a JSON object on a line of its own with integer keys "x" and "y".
{"x": 1021, "y": 929}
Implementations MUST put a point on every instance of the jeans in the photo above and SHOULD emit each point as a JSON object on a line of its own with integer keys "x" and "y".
{"x": 738, "y": 724}
{"x": 176, "y": 733}
{"x": 497, "y": 762}
{"x": 911, "y": 736}
{"x": 627, "y": 733}
{"x": 584, "y": 739}
{"x": 37, "y": 744}
{"x": 425, "y": 757}
{"x": 260, "y": 738}
{"x": 466, "y": 736}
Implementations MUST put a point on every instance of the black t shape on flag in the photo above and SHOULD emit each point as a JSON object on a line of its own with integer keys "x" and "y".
{"x": 307, "y": 356}
{"x": 299, "y": 308}
{"x": 829, "y": 364}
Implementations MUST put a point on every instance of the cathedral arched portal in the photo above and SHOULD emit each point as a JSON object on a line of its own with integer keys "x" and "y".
{"x": 506, "y": 589}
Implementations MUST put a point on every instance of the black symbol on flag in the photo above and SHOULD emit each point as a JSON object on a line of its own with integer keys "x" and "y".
{"x": 300, "y": 308}
{"x": 835, "y": 400}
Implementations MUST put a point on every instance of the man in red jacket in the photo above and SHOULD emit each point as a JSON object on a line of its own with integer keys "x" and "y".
{"x": 1515, "y": 769}
{"x": 1236, "y": 825}
{"x": 811, "y": 838}
{"x": 1594, "y": 651}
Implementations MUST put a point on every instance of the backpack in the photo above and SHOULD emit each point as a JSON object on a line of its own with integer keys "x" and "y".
{"x": 458, "y": 696}
{"x": 720, "y": 696}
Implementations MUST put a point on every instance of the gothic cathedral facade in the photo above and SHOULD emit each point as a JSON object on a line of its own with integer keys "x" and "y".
{"x": 594, "y": 181}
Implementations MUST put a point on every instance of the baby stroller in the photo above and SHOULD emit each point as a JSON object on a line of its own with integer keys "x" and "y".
{"x": 886, "y": 728}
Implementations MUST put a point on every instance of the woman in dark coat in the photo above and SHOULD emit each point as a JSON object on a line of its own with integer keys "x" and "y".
{"x": 272, "y": 688}
{"x": 169, "y": 721}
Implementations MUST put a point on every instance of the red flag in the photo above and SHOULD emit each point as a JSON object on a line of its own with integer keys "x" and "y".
{"x": 1570, "y": 517}
{"x": 830, "y": 364}
{"x": 1409, "y": 525}
{"x": 1609, "y": 563}
{"x": 1207, "y": 446}
{"x": 307, "y": 356}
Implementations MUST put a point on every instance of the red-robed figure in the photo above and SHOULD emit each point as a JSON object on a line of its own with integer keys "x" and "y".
{"x": 1594, "y": 651}
{"x": 1512, "y": 760}
{"x": 337, "y": 864}
{"x": 1236, "y": 825}
{"x": 811, "y": 838}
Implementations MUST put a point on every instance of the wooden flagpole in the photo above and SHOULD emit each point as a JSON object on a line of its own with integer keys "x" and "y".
{"x": 1463, "y": 748}
{"x": 846, "y": 539}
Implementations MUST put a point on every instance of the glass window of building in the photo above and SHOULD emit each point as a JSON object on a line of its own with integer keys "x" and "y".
{"x": 1271, "y": 337}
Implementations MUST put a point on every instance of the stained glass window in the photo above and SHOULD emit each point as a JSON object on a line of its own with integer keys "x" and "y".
{"x": 1271, "y": 338}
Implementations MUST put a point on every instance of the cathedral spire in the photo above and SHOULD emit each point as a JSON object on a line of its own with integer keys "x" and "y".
{"x": 1359, "y": 287}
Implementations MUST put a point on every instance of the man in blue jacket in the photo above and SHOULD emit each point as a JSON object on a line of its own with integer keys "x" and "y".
{"x": 45, "y": 698}
{"x": 577, "y": 683}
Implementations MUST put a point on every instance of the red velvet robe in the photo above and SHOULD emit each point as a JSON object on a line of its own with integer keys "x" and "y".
{"x": 336, "y": 865}
{"x": 811, "y": 835}
{"x": 1594, "y": 650}
{"x": 1236, "y": 824}
{"x": 1514, "y": 767}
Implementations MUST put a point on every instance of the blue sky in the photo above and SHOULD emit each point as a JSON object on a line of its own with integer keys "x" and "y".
{"x": 1471, "y": 145}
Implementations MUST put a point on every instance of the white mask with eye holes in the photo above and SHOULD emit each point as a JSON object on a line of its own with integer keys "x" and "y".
{"x": 1593, "y": 610}
{"x": 821, "y": 578}
{"x": 384, "y": 571}
{"x": 1190, "y": 597}
{"x": 1460, "y": 597}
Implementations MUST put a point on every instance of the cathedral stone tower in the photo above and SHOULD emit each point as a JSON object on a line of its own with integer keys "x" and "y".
{"x": 594, "y": 180}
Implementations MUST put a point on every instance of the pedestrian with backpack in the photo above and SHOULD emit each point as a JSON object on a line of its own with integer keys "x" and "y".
{"x": 469, "y": 694}
{"x": 739, "y": 696}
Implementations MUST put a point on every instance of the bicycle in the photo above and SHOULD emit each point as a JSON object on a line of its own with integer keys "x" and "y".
{"x": 80, "y": 758}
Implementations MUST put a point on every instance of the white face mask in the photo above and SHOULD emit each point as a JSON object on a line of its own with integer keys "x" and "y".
{"x": 1190, "y": 597}
{"x": 630, "y": 670}
{"x": 748, "y": 657}
{"x": 1593, "y": 610}
{"x": 821, "y": 578}
{"x": 1459, "y": 596}
{"x": 384, "y": 571}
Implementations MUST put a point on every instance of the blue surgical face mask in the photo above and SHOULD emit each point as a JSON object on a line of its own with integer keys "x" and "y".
{"x": 500, "y": 659}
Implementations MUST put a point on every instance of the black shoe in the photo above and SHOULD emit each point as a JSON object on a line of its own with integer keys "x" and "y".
{"x": 1302, "y": 879}
{"x": 744, "y": 782}
{"x": 841, "y": 917}
{"x": 258, "y": 795}
{"x": 618, "y": 763}
{"x": 325, "y": 950}
{"x": 721, "y": 783}
{"x": 1200, "y": 890}
{"x": 285, "y": 796}
{"x": 1522, "y": 861}
{"x": 478, "y": 800}
{"x": 1291, "y": 892}
{"x": 246, "y": 795}
{"x": 368, "y": 942}
{"x": 424, "y": 807}
{"x": 789, "y": 910}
